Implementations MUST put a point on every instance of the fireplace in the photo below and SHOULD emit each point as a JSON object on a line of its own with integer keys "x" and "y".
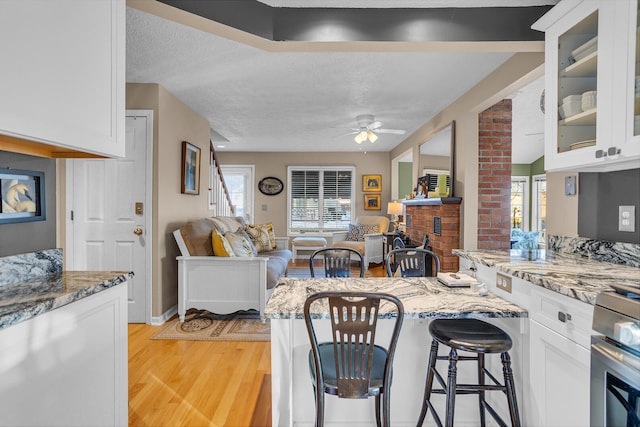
{"x": 440, "y": 220}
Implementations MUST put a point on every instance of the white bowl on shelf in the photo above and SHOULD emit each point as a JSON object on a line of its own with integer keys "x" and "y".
{"x": 582, "y": 144}
{"x": 589, "y": 100}
{"x": 585, "y": 49}
{"x": 568, "y": 109}
{"x": 572, "y": 98}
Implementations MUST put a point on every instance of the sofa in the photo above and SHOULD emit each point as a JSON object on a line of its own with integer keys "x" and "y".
{"x": 362, "y": 237}
{"x": 224, "y": 284}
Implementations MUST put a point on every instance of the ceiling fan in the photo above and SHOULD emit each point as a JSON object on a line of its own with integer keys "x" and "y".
{"x": 368, "y": 128}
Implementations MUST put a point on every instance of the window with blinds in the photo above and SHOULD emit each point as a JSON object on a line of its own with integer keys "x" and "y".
{"x": 430, "y": 178}
{"x": 321, "y": 199}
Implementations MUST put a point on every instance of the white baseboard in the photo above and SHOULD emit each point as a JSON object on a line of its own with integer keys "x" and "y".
{"x": 159, "y": 320}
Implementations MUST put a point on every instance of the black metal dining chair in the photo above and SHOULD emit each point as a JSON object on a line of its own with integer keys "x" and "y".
{"x": 398, "y": 243}
{"x": 412, "y": 262}
{"x": 337, "y": 261}
{"x": 352, "y": 365}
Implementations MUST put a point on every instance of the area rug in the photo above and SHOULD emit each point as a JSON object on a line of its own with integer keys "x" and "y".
{"x": 300, "y": 270}
{"x": 201, "y": 325}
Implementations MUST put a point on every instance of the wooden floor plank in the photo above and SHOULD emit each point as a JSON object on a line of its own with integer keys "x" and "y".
{"x": 176, "y": 383}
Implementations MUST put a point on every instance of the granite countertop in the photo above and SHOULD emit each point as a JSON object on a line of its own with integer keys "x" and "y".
{"x": 422, "y": 297}
{"x": 37, "y": 295}
{"x": 572, "y": 275}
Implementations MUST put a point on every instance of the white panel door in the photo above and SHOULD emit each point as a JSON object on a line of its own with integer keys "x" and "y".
{"x": 109, "y": 204}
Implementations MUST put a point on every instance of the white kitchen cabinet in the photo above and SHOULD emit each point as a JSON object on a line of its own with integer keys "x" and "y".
{"x": 584, "y": 53}
{"x": 62, "y": 78}
{"x": 68, "y": 366}
{"x": 560, "y": 336}
{"x": 629, "y": 112}
{"x": 559, "y": 379}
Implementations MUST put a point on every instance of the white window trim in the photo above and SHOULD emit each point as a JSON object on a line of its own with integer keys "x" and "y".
{"x": 525, "y": 201}
{"x": 249, "y": 185}
{"x": 352, "y": 169}
{"x": 534, "y": 204}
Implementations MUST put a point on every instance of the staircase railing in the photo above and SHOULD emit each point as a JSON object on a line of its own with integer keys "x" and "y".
{"x": 219, "y": 197}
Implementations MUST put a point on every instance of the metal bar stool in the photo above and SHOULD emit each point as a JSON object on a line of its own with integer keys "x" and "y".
{"x": 473, "y": 336}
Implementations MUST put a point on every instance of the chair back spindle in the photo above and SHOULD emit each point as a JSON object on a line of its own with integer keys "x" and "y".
{"x": 336, "y": 261}
{"x": 412, "y": 262}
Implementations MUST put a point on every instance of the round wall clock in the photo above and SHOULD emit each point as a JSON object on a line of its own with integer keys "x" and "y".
{"x": 270, "y": 186}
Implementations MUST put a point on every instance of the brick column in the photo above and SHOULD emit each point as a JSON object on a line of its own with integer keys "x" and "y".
{"x": 494, "y": 176}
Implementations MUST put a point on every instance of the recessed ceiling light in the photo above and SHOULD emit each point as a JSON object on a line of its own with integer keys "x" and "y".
{"x": 220, "y": 146}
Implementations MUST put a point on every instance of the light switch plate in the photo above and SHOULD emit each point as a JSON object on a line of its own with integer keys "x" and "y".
{"x": 570, "y": 185}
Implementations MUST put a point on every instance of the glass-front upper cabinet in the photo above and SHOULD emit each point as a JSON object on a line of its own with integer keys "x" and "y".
{"x": 632, "y": 78}
{"x": 592, "y": 85}
{"x": 577, "y": 85}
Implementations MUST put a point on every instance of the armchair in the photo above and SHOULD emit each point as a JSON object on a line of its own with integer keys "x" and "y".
{"x": 371, "y": 245}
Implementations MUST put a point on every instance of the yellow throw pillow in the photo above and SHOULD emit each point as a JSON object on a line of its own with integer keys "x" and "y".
{"x": 240, "y": 244}
{"x": 259, "y": 236}
{"x": 272, "y": 235}
{"x": 221, "y": 246}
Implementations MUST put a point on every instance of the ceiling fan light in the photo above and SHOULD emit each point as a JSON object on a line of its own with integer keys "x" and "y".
{"x": 372, "y": 136}
{"x": 361, "y": 137}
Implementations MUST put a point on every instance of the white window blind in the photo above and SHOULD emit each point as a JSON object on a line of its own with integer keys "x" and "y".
{"x": 539, "y": 208}
{"x": 520, "y": 202}
{"x": 320, "y": 199}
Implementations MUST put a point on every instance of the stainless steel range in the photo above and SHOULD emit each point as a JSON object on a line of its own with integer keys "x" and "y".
{"x": 615, "y": 358}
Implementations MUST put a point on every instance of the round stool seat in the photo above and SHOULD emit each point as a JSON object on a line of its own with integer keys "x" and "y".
{"x": 470, "y": 335}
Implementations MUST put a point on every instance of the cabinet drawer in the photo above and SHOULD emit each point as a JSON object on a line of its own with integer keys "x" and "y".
{"x": 567, "y": 316}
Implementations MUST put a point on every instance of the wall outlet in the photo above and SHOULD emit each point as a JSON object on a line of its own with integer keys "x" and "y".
{"x": 627, "y": 218}
{"x": 503, "y": 282}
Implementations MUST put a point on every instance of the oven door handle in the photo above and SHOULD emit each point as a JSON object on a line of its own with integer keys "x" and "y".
{"x": 614, "y": 355}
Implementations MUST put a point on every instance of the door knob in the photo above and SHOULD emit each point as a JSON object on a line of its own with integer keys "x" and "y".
{"x": 137, "y": 231}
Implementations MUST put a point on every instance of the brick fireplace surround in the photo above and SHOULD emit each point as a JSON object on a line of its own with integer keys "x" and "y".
{"x": 420, "y": 214}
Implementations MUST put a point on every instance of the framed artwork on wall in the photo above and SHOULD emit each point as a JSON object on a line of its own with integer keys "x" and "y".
{"x": 371, "y": 202}
{"x": 371, "y": 182}
{"x": 23, "y": 196}
{"x": 190, "y": 182}
{"x": 270, "y": 186}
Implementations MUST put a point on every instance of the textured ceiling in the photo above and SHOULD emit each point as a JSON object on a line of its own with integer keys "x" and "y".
{"x": 297, "y": 101}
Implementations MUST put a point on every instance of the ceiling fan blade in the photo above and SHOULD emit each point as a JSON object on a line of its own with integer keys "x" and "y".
{"x": 375, "y": 125}
{"x": 355, "y": 131}
{"x": 392, "y": 131}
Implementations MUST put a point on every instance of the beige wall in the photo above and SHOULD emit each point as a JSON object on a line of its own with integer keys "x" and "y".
{"x": 562, "y": 211}
{"x": 519, "y": 70}
{"x": 174, "y": 122}
{"x": 434, "y": 162}
{"x": 275, "y": 164}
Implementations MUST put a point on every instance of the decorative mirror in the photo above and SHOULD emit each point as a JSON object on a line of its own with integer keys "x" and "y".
{"x": 437, "y": 157}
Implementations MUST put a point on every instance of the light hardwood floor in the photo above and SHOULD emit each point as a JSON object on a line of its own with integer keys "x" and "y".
{"x": 200, "y": 383}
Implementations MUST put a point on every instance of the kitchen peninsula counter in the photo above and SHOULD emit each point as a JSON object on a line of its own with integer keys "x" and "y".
{"x": 63, "y": 343}
{"x": 424, "y": 299}
{"x": 24, "y": 300}
{"x": 575, "y": 276}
